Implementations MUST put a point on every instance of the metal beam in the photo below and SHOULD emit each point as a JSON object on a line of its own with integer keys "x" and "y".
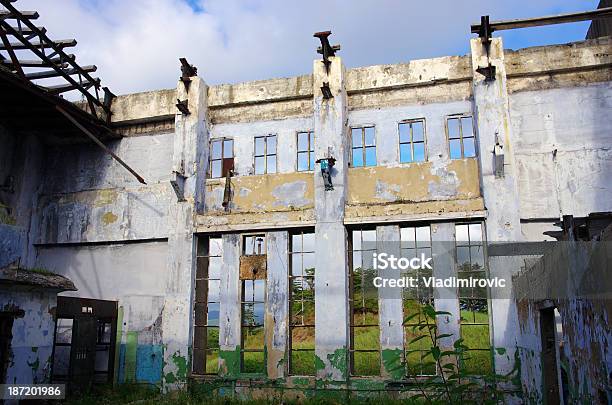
{"x": 51, "y": 63}
{"x": 30, "y": 15}
{"x": 62, "y": 88}
{"x": 53, "y": 73}
{"x": 28, "y": 31}
{"x": 99, "y": 143}
{"x": 63, "y": 43}
{"x": 547, "y": 20}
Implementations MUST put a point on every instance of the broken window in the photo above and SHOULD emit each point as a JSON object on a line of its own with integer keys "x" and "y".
{"x": 253, "y": 298}
{"x": 461, "y": 138}
{"x": 206, "y": 310}
{"x": 302, "y": 304}
{"x": 265, "y": 154}
{"x": 363, "y": 146}
{"x": 221, "y": 157}
{"x": 414, "y": 242}
{"x": 305, "y": 151}
{"x": 412, "y": 141}
{"x": 473, "y": 303}
{"x": 63, "y": 347}
{"x": 363, "y": 300}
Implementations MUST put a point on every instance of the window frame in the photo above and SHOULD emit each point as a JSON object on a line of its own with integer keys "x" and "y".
{"x": 291, "y": 277}
{"x": 211, "y": 159}
{"x": 204, "y": 243}
{"x": 411, "y": 142}
{"x": 460, "y": 117}
{"x": 363, "y": 146}
{"x": 265, "y": 155}
{"x": 310, "y": 152}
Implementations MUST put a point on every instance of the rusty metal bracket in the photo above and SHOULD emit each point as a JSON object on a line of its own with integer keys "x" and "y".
{"x": 487, "y": 71}
{"x": 182, "y": 106}
{"x": 326, "y": 49}
{"x": 187, "y": 72}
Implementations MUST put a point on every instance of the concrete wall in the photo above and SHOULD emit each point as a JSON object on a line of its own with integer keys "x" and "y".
{"x": 33, "y": 331}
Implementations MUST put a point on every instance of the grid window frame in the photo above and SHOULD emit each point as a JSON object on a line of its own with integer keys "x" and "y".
{"x": 298, "y": 275}
{"x": 363, "y": 146}
{"x": 266, "y": 155}
{"x": 209, "y": 251}
{"x": 461, "y": 138}
{"x": 415, "y": 239}
{"x": 308, "y": 152}
{"x": 410, "y": 144}
{"x": 356, "y": 305}
{"x": 216, "y": 160}
{"x": 475, "y": 304}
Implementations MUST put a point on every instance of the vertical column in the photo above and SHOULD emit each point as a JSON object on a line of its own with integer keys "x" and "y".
{"x": 390, "y": 307}
{"x": 189, "y": 157}
{"x": 331, "y": 281}
{"x": 500, "y": 190}
{"x": 276, "y": 303}
{"x": 444, "y": 267}
{"x": 229, "y": 307}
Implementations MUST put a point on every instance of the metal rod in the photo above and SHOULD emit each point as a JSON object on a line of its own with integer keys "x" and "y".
{"x": 546, "y": 20}
{"x": 99, "y": 143}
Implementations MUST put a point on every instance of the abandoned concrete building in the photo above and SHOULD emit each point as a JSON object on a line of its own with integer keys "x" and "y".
{"x": 234, "y": 251}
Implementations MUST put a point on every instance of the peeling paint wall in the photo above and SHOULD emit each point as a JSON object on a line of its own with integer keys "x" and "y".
{"x": 33, "y": 331}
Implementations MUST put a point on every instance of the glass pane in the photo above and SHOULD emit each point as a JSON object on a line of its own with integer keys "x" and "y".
{"x": 302, "y": 161}
{"x": 453, "y": 128}
{"x": 64, "y": 330}
{"x": 215, "y": 247}
{"x": 463, "y": 258}
{"x": 271, "y": 164}
{"x": 213, "y": 290}
{"x": 312, "y": 161}
{"x": 370, "y": 137}
{"x": 418, "y": 132}
{"x": 253, "y": 362}
{"x": 228, "y": 148}
{"x": 101, "y": 358}
{"x": 302, "y": 141}
{"x": 358, "y": 157}
{"x": 61, "y": 360}
{"x": 356, "y": 134}
{"x": 356, "y": 240}
{"x": 367, "y": 363}
{"x": 356, "y": 260}
{"x": 370, "y": 156}
{"x": 296, "y": 264}
{"x": 259, "y": 287}
{"x": 302, "y": 362}
{"x": 462, "y": 233}
{"x": 475, "y": 233}
{"x": 253, "y": 338}
{"x": 216, "y": 169}
{"x": 404, "y": 133}
{"x": 216, "y": 149}
{"x": 212, "y": 361}
{"x": 260, "y": 165}
{"x": 303, "y": 338}
{"x": 477, "y": 257}
{"x": 455, "y": 149}
{"x": 423, "y": 236}
{"x": 466, "y": 127}
{"x": 405, "y": 153}
{"x": 259, "y": 146}
{"x": 407, "y": 236}
{"x": 296, "y": 243}
{"x": 311, "y": 135}
{"x": 469, "y": 147}
{"x": 309, "y": 263}
{"x": 214, "y": 267}
{"x": 309, "y": 242}
{"x": 419, "y": 152}
{"x": 212, "y": 338}
{"x": 271, "y": 145}
{"x": 213, "y": 314}
{"x": 368, "y": 236}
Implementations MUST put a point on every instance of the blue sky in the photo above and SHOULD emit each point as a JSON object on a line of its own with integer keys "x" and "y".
{"x": 136, "y": 43}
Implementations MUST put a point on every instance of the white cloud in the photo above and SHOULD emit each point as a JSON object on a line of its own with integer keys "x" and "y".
{"x": 136, "y": 43}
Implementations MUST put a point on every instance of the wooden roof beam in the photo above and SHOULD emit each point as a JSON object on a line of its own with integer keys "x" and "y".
{"x": 52, "y": 73}
{"x": 30, "y": 15}
{"x": 62, "y": 43}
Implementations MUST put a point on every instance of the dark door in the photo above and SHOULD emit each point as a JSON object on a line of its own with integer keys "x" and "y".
{"x": 6, "y": 335}
{"x": 549, "y": 356}
{"x": 85, "y": 340}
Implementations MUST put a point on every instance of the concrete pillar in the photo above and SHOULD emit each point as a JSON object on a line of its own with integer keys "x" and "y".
{"x": 444, "y": 267}
{"x": 331, "y": 281}
{"x": 276, "y": 303}
{"x": 189, "y": 158}
{"x": 500, "y": 192}
{"x": 391, "y": 312}
{"x": 229, "y": 307}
